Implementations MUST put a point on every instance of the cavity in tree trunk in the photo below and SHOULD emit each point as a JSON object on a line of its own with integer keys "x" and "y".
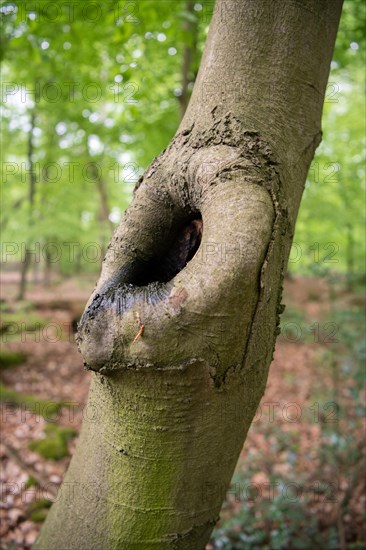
{"x": 181, "y": 327}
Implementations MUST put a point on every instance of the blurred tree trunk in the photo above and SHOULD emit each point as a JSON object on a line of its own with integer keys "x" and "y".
{"x": 181, "y": 328}
{"x": 350, "y": 255}
{"x": 190, "y": 27}
{"x": 106, "y": 226}
{"x": 27, "y": 260}
{"x": 104, "y": 214}
{"x": 47, "y": 270}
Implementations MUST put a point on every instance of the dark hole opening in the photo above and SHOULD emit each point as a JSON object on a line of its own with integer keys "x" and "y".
{"x": 184, "y": 246}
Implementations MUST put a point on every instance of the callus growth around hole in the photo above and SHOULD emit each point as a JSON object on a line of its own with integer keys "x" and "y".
{"x": 135, "y": 285}
{"x": 188, "y": 314}
{"x": 146, "y": 281}
{"x": 189, "y": 286}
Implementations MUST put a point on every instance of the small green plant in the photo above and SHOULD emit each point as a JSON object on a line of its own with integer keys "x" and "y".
{"x": 37, "y": 510}
{"x": 270, "y": 519}
{"x": 31, "y": 482}
{"x": 54, "y": 445}
{"x": 10, "y": 358}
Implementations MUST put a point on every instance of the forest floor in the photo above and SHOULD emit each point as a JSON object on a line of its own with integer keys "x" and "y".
{"x": 300, "y": 478}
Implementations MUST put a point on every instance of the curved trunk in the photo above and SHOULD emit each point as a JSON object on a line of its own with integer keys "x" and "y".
{"x": 180, "y": 330}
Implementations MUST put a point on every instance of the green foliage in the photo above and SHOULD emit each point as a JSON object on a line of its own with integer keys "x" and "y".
{"x": 104, "y": 89}
{"x": 288, "y": 525}
{"x": 255, "y": 517}
{"x": 330, "y": 229}
{"x": 31, "y": 482}
{"x": 100, "y": 116}
{"x": 350, "y": 45}
{"x": 345, "y": 361}
{"x": 10, "y": 358}
{"x": 37, "y": 510}
{"x": 54, "y": 445}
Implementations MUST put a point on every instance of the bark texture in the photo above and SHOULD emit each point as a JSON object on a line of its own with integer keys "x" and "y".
{"x": 181, "y": 327}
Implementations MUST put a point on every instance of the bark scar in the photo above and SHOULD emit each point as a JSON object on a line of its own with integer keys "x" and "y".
{"x": 178, "y": 299}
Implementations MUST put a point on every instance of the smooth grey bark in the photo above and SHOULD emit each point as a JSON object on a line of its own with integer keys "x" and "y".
{"x": 181, "y": 346}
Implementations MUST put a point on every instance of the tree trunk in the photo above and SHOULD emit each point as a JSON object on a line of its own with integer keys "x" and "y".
{"x": 47, "y": 270}
{"x": 188, "y": 55}
{"x": 104, "y": 213}
{"x": 27, "y": 260}
{"x": 181, "y": 328}
{"x": 350, "y": 257}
